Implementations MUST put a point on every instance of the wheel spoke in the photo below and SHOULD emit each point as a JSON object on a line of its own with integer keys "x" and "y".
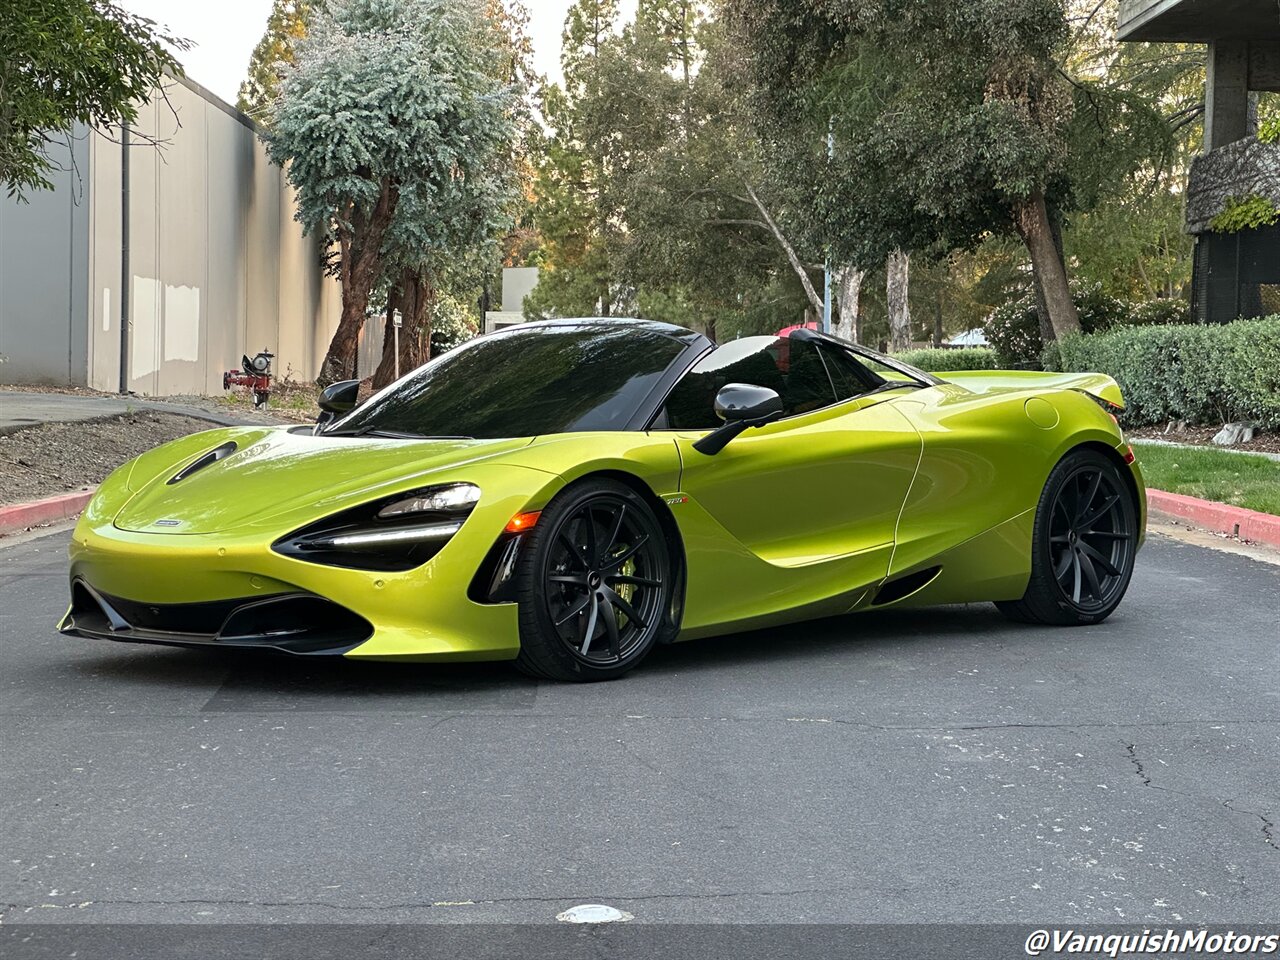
{"x": 591, "y": 555}
{"x": 1090, "y": 575}
{"x": 573, "y": 547}
{"x": 574, "y": 611}
{"x": 615, "y": 600}
{"x": 1085, "y": 502}
{"x": 612, "y": 541}
{"x": 627, "y": 554}
{"x": 591, "y": 624}
{"x": 637, "y": 581}
{"x": 1109, "y": 534}
{"x": 1062, "y": 566}
{"x": 572, "y": 579}
{"x": 1098, "y": 514}
{"x": 1075, "y": 564}
{"x": 611, "y": 628}
{"x": 1097, "y": 557}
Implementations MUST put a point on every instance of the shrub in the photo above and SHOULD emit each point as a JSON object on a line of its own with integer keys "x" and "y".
{"x": 963, "y": 358}
{"x": 1163, "y": 310}
{"x": 1201, "y": 373}
{"x": 1014, "y": 328}
{"x": 1245, "y": 213}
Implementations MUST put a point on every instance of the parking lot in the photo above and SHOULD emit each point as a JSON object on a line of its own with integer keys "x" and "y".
{"x": 939, "y": 765}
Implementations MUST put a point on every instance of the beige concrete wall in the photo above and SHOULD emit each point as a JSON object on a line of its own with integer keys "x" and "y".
{"x": 217, "y": 265}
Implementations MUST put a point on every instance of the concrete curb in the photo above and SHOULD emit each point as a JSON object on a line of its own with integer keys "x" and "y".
{"x": 16, "y": 517}
{"x": 1219, "y": 517}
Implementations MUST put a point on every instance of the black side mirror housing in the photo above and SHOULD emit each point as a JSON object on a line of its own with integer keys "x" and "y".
{"x": 740, "y": 405}
{"x": 339, "y": 398}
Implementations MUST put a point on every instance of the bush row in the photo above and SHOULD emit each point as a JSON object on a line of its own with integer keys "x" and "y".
{"x": 1014, "y": 328}
{"x": 1200, "y": 373}
{"x": 961, "y": 358}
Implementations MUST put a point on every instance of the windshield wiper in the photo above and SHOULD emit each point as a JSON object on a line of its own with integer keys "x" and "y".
{"x": 391, "y": 434}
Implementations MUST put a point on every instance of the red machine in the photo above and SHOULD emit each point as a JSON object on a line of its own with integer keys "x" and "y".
{"x": 254, "y": 373}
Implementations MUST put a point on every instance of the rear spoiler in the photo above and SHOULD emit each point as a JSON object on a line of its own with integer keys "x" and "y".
{"x": 1097, "y": 385}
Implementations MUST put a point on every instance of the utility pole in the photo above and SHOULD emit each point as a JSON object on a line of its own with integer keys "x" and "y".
{"x": 124, "y": 258}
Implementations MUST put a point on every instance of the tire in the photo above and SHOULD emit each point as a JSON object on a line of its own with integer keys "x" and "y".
{"x": 594, "y": 584}
{"x": 1083, "y": 547}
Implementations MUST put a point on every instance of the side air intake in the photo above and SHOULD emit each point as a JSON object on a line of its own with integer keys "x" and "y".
{"x": 905, "y": 586}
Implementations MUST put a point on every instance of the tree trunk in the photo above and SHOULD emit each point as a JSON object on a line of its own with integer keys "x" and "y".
{"x": 1031, "y": 218}
{"x": 414, "y": 296}
{"x": 815, "y": 301}
{"x": 849, "y": 301}
{"x": 360, "y": 245}
{"x": 937, "y": 319}
{"x": 898, "y": 280}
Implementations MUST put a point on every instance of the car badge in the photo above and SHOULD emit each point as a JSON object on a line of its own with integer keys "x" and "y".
{"x": 168, "y": 523}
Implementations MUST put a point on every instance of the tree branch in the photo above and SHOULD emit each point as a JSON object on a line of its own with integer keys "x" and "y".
{"x": 815, "y": 301}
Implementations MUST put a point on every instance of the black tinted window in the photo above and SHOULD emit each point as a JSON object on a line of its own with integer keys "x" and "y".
{"x": 850, "y": 378}
{"x": 792, "y": 367}
{"x": 519, "y": 384}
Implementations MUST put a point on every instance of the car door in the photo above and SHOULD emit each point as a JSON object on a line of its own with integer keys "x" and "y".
{"x": 804, "y": 509}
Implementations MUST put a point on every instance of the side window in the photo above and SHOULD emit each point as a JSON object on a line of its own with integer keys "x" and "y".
{"x": 850, "y": 378}
{"x": 794, "y": 368}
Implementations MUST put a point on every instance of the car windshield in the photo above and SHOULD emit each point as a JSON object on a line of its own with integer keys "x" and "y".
{"x": 522, "y": 383}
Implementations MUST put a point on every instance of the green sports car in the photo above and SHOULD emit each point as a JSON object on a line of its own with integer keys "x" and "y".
{"x": 567, "y": 494}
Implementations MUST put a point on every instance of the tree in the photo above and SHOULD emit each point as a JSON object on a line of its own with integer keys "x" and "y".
{"x": 396, "y": 133}
{"x": 950, "y": 120}
{"x": 64, "y": 62}
{"x": 273, "y": 55}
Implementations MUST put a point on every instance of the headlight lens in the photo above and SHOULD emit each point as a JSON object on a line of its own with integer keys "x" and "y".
{"x": 398, "y": 533}
{"x": 448, "y": 499}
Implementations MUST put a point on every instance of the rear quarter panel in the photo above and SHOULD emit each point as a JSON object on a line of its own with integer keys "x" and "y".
{"x": 985, "y": 462}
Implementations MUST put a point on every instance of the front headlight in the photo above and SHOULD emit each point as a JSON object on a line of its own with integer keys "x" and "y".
{"x": 396, "y": 533}
{"x": 446, "y": 499}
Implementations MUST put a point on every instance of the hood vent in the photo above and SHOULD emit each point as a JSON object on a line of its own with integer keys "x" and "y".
{"x": 213, "y": 456}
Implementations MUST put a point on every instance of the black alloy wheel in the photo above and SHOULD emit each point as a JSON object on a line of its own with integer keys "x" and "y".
{"x": 595, "y": 584}
{"x": 1084, "y": 546}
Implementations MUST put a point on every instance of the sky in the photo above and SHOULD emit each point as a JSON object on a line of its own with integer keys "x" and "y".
{"x": 224, "y": 33}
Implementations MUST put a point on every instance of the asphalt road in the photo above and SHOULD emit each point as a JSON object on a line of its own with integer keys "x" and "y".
{"x": 938, "y": 765}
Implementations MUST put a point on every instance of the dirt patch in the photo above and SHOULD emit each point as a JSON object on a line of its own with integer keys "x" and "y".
{"x": 52, "y": 458}
{"x": 1203, "y": 436}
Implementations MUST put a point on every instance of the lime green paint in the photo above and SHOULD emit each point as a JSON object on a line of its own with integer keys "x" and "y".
{"x": 805, "y": 517}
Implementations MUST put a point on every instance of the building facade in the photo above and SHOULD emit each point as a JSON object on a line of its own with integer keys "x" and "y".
{"x": 152, "y": 266}
{"x": 1237, "y": 273}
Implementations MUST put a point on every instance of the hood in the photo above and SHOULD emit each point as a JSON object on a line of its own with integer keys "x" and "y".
{"x": 275, "y": 471}
{"x": 993, "y": 381}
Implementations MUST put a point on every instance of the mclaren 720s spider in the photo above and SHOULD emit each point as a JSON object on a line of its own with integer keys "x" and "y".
{"x": 566, "y": 494}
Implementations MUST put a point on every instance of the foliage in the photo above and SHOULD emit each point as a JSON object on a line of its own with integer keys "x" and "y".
{"x": 1269, "y": 129}
{"x": 397, "y": 132}
{"x": 1160, "y": 311}
{"x": 1200, "y": 373}
{"x": 1013, "y": 330}
{"x": 1225, "y": 476}
{"x": 642, "y": 186}
{"x": 273, "y": 55}
{"x": 963, "y": 358}
{"x": 451, "y": 324}
{"x": 68, "y": 62}
{"x": 1245, "y": 213}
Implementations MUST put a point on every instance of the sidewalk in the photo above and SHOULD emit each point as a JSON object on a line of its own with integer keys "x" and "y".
{"x": 22, "y": 408}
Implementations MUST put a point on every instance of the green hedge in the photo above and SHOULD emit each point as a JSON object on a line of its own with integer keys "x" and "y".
{"x": 1201, "y": 373}
{"x": 961, "y": 358}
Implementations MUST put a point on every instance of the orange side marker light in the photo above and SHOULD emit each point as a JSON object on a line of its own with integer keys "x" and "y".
{"x": 523, "y": 521}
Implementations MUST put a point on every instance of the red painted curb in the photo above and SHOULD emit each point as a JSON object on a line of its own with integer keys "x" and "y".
{"x": 17, "y": 517}
{"x": 1219, "y": 517}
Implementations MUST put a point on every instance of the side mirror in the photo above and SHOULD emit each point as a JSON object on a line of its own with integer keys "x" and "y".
{"x": 337, "y": 399}
{"x": 740, "y": 405}
{"x": 340, "y": 397}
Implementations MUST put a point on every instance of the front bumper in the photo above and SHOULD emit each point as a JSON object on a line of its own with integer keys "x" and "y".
{"x": 157, "y": 585}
